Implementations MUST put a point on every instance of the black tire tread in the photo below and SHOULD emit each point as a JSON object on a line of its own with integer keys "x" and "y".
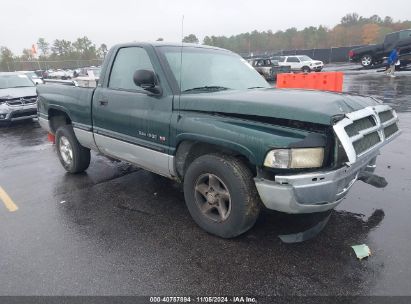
{"x": 81, "y": 155}
{"x": 245, "y": 186}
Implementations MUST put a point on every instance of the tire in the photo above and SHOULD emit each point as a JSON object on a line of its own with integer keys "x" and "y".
{"x": 366, "y": 60}
{"x": 306, "y": 69}
{"x": 74, "y": 157}
{"x": 221, "y": 196}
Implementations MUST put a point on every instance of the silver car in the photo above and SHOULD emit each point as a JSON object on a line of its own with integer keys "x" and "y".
{"x": 18, "y": 97}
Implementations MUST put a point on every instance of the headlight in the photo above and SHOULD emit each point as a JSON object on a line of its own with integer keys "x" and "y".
{"x": 295, "y": 158}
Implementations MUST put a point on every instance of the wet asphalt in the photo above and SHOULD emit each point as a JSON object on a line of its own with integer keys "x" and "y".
{"x": 120, "y": 230}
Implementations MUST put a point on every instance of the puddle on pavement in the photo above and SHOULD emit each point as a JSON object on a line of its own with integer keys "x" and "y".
{"x": 392, "y": 91}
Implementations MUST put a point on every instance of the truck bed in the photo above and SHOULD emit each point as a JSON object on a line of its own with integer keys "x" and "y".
{"x": 75, "y": 101}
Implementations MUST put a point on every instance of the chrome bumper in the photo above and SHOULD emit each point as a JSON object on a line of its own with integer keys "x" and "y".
{"x": 312, "y": 192}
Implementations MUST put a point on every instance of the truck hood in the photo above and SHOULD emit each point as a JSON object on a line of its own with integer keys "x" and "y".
{"x": 11, "y": 93}
{"x": 301, "y": 105}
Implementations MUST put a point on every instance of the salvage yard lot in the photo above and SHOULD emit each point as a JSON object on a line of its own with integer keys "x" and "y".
{"x": 120, "y": 230}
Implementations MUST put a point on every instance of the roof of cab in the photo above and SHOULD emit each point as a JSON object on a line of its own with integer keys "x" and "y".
{"x": 172, "y": 44}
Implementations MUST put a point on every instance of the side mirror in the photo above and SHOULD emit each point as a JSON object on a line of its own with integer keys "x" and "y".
{"x": 146, "y": 79}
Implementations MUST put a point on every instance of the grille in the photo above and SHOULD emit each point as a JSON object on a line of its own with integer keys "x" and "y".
{"x": 386, "y": 116}
{"x": 21, "y": 101}
{"x": 30, "y": 101}
{"x": 390, "y": 130}
{"x": 14, "y": 103}
{"x": 359, "y": 125}
{"x": 367, "y": 142}
{"x": 366, "y": 130}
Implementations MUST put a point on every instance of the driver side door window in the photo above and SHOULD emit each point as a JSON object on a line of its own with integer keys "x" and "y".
{"x": 128, "y": 60}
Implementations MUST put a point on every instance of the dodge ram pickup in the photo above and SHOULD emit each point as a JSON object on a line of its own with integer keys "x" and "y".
{"x": 236, "y": 144}
{"x": 374, "y": 54}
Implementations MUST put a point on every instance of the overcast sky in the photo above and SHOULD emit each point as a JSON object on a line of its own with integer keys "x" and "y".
{"x": 110, "y": 22}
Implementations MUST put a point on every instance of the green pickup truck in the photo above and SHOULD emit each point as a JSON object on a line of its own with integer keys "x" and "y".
{"x": 204, "y": 117}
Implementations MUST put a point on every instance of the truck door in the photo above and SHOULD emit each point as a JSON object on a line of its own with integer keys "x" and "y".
{"x": 129, "y": 122}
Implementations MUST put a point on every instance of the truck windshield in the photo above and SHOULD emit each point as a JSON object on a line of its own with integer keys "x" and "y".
{"x": 32, "y": 75}
{"x": 15, "y": 81}
{"x": 208, "y": 70}
{"x": 304, "y": 58}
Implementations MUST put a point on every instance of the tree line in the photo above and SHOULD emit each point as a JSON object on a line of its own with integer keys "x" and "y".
{"x": 60, "y": 53}
{"x": 352, "y": 29}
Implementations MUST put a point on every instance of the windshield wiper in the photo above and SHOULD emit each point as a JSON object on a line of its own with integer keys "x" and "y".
{"x": 207, "y": 88}
{"x": 25, "y": 86}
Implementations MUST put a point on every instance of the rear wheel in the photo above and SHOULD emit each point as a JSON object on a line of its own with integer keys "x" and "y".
{"x": 366, "y": 60}
{"x": 221, "y": 195}
{"x": 74, "y": 157}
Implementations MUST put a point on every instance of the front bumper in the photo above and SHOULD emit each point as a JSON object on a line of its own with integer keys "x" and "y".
{"x": 312, "y": 192}
{"x": 15, "y": 113}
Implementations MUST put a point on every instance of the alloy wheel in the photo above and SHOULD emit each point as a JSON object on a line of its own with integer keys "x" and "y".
{"x": 66, "y": 150}
{"x": 213, "y": 197}
{"x": 366, "y": 60}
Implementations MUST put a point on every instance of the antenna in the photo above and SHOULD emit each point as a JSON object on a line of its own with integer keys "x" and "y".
{"x": 181, "y": 51}
{"x": 181, "y": 64}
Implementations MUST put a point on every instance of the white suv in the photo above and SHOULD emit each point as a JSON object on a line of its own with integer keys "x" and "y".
{"x": 301, "y": 63}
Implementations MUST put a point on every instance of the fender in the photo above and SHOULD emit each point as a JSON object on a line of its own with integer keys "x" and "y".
{"x": 251, "y": 139}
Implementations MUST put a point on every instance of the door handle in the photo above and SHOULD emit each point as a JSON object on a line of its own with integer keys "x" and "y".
{"x": 103, "y": 102}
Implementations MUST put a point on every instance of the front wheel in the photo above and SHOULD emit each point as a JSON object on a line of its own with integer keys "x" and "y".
{"x": 74, "y": 157}
{"x": 221, "y": 196}
{"x": 366, "y": 60}
{"x": 305, "y": 69}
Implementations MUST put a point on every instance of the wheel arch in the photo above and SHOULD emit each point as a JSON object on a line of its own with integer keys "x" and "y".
{"x": 57, "y": 117}
{"x": 189, "y": 149}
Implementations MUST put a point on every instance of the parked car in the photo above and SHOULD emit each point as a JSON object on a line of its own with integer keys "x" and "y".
{"x": 33, "y": 76}
{"x": 87, "y": 77}
{"x": 17, "y": 97}
{"x": 236, "y": 143}
{"x": 89, "y": 72}
{"x": 59, "y": 74}
{"x": 375, "y": 54}
{"x": 301, "y": 63}
{"x": 268, "y": 68}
